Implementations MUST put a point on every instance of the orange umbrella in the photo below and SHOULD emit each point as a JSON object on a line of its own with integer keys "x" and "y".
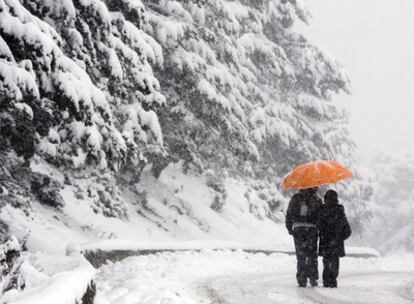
{"x": 315, "y": 174}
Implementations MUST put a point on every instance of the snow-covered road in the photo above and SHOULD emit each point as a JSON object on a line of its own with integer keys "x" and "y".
{"x": 225, "y": 277}
{"x": 387, "y": 288}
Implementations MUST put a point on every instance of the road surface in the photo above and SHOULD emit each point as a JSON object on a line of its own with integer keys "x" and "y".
{"x": 226, "y": 277}
{"x": 356, "y": 288}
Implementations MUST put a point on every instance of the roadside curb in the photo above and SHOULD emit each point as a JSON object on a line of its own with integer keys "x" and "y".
{"x": 100, "y": 257}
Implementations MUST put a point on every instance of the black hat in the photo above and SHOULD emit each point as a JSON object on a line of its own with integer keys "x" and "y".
{"x": 331, "y": 197}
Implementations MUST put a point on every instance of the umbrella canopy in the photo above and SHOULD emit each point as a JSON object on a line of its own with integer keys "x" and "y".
{"x": 316, "y": 174}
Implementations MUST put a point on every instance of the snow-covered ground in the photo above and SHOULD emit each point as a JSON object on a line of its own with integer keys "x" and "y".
{"x": 177, "y": 208}
{"x": 50, "y": 279}
{"x": 221, "y": 277}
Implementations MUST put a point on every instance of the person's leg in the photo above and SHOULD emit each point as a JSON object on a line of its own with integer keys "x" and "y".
{"x": 300, "y": 246}
{"x": 335, "y": 271}
{"x": 326, "y": 272}
{"x": 301, "y": 269}
{"x": 312, "y": 254}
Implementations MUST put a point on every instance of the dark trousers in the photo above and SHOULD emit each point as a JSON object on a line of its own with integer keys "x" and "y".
{"x": 330, "y": 271}
{"x": 306, "y": 245}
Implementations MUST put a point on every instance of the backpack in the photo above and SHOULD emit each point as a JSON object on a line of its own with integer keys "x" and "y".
{"x": 304, "y": 209}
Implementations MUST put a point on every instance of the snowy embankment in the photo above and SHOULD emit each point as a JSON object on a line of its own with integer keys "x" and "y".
{"x": 64, "y": 280}
{"x": 52, "y": 280}
{"x": 111, "y": 245}
{"x": 114, "y": 250}
{"x": 118, "y": 245}
{"x": 178, "y": 207}
{"x": 212, "y": 277}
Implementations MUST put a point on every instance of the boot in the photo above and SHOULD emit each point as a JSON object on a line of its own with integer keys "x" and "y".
{"x": 313, "y": 282}
{"x": 302, "y": 283}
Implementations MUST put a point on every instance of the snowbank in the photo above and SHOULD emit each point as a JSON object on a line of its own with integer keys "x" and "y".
{"x": 117, "y": 244}
{"x": 56, "y": 280}
{"x": 100, "y": 252}
{"x": 110, "y": 245}
{"x": 175, "y": 207}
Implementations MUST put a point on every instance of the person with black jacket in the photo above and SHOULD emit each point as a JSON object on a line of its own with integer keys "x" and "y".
{"x": 301, "y": 222}
{"x": 334, "y": 229}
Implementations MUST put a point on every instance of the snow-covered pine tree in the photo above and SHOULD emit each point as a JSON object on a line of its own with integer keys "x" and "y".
{"x": 245, "y": 91}
{"x": 248, "y": 95}
{"x": 77, "y": 89}
{"x": 242, "y": 92}
{"x": 79, "y": 75}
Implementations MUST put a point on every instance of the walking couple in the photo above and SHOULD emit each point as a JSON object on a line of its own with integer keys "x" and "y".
{"x": 307, "y": 219}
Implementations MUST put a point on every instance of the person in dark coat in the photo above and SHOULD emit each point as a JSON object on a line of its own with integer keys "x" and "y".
{"x": 301, "y": 222}
{"x": 334, "y": 229}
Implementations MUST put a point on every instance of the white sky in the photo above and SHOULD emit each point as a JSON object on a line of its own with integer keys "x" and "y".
{"x": 374, "y": 39}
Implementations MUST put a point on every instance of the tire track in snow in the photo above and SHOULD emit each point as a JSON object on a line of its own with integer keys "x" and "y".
{"x": 359, "y": 288}
{"x": 254, "y": 289}
{"x": 367, "y": 288}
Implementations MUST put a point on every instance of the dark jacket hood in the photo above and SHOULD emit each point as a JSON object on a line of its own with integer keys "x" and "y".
{"x": 331, "y": 197}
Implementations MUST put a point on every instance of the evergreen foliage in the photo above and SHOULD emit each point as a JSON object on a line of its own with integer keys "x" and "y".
{"x": 112, "y": 85}
{"x": 80, "y": 76}
{"x": 245, "y": 92}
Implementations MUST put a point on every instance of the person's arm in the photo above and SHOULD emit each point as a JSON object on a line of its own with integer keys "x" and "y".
{"x": 290, "y": 215}
{"x": 319, "y": 202}
{"x": 346, "y": 228}
{"x": 316, "y": 216}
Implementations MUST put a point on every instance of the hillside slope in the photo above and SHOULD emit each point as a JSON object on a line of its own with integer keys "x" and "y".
{"x": 161, "y": 119}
